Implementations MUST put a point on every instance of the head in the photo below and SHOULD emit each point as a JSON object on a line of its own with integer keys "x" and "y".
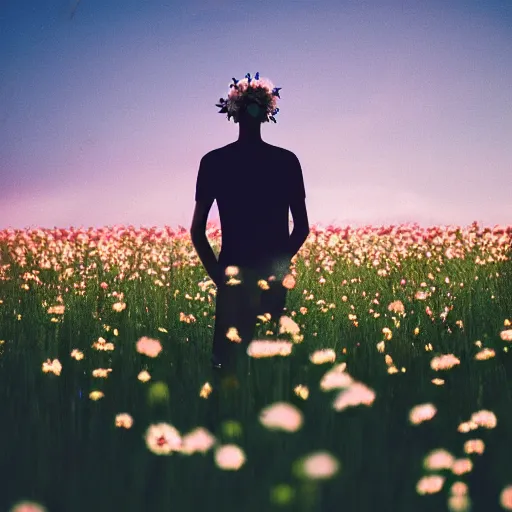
{"x": 252, "y": 115}
{"x": 251, "y": 95}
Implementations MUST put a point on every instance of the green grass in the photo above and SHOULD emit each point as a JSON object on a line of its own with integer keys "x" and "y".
{"x": 65, "y": 452}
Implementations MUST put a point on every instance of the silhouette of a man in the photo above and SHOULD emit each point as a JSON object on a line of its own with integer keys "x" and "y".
{"x": 255, "y": 184}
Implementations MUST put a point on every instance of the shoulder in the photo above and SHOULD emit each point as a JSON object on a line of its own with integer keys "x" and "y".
{"x": 228, "y": 150}
{"x": 214, "y": 155}
{"x": 286, "y": 154}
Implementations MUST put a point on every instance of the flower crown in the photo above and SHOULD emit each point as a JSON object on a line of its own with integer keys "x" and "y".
{"x": 248, "y": 90}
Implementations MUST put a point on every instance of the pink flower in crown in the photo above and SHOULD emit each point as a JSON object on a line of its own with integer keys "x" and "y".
{"x": 265, "y": 82}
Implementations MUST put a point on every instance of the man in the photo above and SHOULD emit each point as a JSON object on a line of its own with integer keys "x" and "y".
{"x": 255, "y": 184}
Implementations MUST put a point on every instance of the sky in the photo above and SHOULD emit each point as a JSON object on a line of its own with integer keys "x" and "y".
{"x": 399, "y": 112}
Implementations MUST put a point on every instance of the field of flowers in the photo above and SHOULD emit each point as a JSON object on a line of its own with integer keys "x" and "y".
{"x": 387, "y": 385}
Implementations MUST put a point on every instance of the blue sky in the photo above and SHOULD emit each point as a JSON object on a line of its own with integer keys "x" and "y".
{"x": 398, "y": 112}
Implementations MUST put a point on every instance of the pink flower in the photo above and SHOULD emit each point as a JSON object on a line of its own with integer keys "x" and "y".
{"x": 124, "y": 420}
{"x": 506, "y": 498}
{"x": 318, "y": 466}
{"x": 439, "y": 459}
{"x": 474, "y": 446}
{"x": 336, "y": 378}
{"x": 268, "y": 348}
{"x": 506, "y": 335}
{"x": 397, "y": 306}
{"x": 421, "y": 413}
{"x": 230, "y": 457}
{"x": 430, "y": 484}
{"x": 484, "y": 418}
{"x": 355, "y": 395}
{"x": 444, "y": 362}
{"x": 326, "y": 355}
{"x": 282, "y": 416}
{"x": 199, "y": 440}
{"x": 461, "y": 466}
{"x": 163, "y": 439}
{"x": 149, "y": 347}
{"x": 52, "y": 366}
{"x": 28, "y": 506}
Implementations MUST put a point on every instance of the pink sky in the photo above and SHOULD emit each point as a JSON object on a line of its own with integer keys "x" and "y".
{"x": 397, "y": 114}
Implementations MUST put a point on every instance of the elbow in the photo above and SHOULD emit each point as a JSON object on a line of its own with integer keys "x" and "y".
{"x": 304, "y": 231}
{"x": 196, "y": 234}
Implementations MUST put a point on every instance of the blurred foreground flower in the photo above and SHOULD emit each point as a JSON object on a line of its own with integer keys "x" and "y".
{"x": 506, "y": 335}
{"x": 52, "y": 366}
{"x": 205, "y": 390}
{"x": 355, "y": 395}
{"x": 96, "y": 395}
{"x": 101, "y": 372}
{"x": 444, "y": 362}
{"x": 56, "y": 310}
{"x": 316, "y": 466}
{"x": 462, "y": 466}
{"x": 28, "y": 506}
{"x": 474, "y": 446}
{"x": 163, "y": 439}
{"x": 289, "y": 281}
{"x": 322, "y": 356}
{"x": 77, "y": 354}
{"x": 230, "y": 457}
{"x": 268, "y": 348}
{"x": 506, "y": 497}
{"x": 232, "y": 335}
{"x": 124, "y": 420}
{"x": 484, "y": 418}
{"x": 144, "y": 376}
{"x": 287, "y": 325}
{"x": 281, "y": 416}
{"x": 484, "y": 354}
{"x": 336, "y": 378}
{"x": 149, "y": 346}
{"x": 301, "y": 391}
{"x": 199, "y": 440}
{"x": 421, "y": 413}
{"x": 102, "y": 344}
{"x": 459, "y": 503}
{"x": 430, "y": 484}
{"x": 438, "y": 459}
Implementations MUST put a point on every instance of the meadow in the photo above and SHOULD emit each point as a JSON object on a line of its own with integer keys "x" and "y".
{"x": 387, "y": 384}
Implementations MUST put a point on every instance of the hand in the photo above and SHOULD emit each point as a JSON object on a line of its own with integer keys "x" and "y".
{"x": 280, "y": 267}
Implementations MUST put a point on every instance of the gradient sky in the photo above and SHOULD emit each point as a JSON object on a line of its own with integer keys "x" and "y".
{"x": 398, "y": 112}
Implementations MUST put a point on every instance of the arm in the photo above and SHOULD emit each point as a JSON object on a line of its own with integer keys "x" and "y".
{"x": 200, "y": 241}
{"x": 300, "y": 230}
{"x": 298, "y": 210}
{"x": 205, "y": 195}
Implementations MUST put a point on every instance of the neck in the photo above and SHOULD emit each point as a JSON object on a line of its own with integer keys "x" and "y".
{"x": 250, "y": 133}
